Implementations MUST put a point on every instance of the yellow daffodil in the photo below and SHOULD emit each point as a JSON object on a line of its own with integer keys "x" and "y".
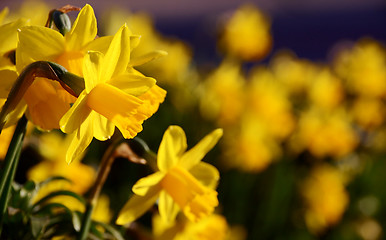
{"x": 325, "y": 133}
{"x": 182, "y": 182}
{"x": 363, "y": 68}
{"x": 47, "y": 101}
{"x": 223, "y": 96}
{"x": 33, "y": 10}
{"x": 113, "y": 96}
{"x": 326, "y": 90}
{"x": 169, "y": 69}
{"x": 53, "y": 148}
{"x": 247, "y": 34}
{"x": 294, "y": 73}
{"x": 41, "y": 43}
{"x": 8, "y": 73}
{"x": 368, "y": 112}
{"x": 213, "y": 227}
{"x": 325, "y": 197}
{"x": 250, "y": 147}
{"x": 8, "y": 43}
{"x": 268, "y": 99}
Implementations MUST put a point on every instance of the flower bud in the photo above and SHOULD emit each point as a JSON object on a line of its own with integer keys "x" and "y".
{"x": 62, "y": 21}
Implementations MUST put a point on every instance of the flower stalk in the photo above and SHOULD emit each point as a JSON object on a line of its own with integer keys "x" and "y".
{"x": 103, "y": 172}
{"x": 11, "y": 161}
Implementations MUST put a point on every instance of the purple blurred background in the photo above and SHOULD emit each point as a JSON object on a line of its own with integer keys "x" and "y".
{"x": 309, "y": 28}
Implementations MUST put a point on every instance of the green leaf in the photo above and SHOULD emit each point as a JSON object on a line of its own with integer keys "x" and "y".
{"x": 50, "y": 207}
{"x": 38, "y": 225}
{"x": 116, "y": 234}
{"x": 59, "y": 193}
{"x": 51, "y": 179}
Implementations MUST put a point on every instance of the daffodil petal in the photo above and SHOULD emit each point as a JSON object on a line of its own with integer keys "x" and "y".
{"x": 38, "y": 43}
{"x": 168, "y": 209}
{"x": 100, "y": 44}
{"x": 147, "y": 57}
{"x": 207, "y": 174}
{"x": 91, "y": 69}
{"x": 103, "y": 128}
{"x": 142, "y": 186}
{"x": 137, "y": 206}
{"x": 134, "y": 41}
{"x": 16, "y": 114}
{"x": 152, "y": 99}
{"x": 8, "y": 78}
{"x": 118, "y": 55}
{"x": 79, "y": 142}
{"x": 3, "y": 14}
{"x": 195, "y": 154}
{"x": 77, "y": 114}
{"x": 172, "y": 146}
{"x": 133, "y": 84}
{"x": 8, "y": 36}
{"x": 83, "y": 30}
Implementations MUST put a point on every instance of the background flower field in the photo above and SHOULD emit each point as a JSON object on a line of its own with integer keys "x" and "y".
{"x": 302, "y": 108}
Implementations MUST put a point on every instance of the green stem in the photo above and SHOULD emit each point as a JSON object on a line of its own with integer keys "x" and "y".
{"x": 103, "y": 172}
{"x": 4, "y": 198}
{"x": 86, "y": 222}
{"x": 11, "y": 161}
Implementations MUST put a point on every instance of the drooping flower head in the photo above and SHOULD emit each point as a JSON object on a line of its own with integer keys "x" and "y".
{"x": 183, "y": 182}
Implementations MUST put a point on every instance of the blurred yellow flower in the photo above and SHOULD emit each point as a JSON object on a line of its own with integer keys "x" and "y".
{"x": 325, "y": 133}
{"x": 295, "y": 74}
{"x": 247, "y": 34}
{"x": 102, "y": 212}
{"x": 53, "y": 147}
{"x": 268, "y": 99}
{"x": 170, "y": 69}
{"x": 363, "y": 68}
{"x": 182, "y": 182}
{"x": 326, "y": 90}
{"x": 35, "y": 11}
{"x": 368, "y": 112}
{"x": 213, "y": 227}
{"x": 325, "y": 198}
{"x": 222, "y": 98}
{"x": 250, "y": 148}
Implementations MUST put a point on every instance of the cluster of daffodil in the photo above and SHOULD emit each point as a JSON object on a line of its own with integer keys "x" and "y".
{"x": 314, "y": 127}
{"x": 65, "y": 77}
{"x": 326, "y": 114}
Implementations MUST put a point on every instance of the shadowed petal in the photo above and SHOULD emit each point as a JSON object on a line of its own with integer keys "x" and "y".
{"x": 137, "y": 206}
{"x": 142, "y": 186}
{"x": 168, "y": 209}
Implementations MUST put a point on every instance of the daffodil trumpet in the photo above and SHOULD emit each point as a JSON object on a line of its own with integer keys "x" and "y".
{"x": 70, "y": 82}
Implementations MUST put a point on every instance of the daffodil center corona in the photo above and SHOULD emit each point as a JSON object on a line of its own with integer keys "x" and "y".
{"x": 72, "y": 61}
{"x": 196, "y": 200}
{"x": 112, "y": 103}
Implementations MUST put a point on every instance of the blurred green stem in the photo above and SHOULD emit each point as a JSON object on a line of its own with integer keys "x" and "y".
{"x": 10, "y": 165}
